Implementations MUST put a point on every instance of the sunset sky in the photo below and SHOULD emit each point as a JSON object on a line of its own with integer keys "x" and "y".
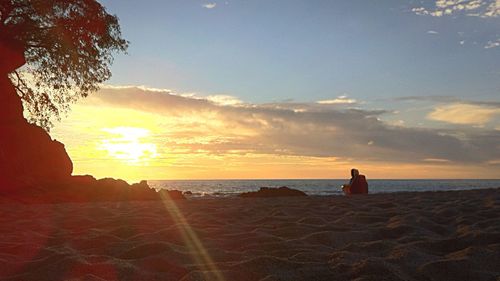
{"x": 295, "y": 89}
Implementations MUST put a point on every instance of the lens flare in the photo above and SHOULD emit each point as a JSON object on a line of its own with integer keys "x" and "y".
{"x": 192, "y": 241}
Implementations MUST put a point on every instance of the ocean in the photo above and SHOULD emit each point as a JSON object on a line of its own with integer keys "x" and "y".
{"x": 321, "y": 187}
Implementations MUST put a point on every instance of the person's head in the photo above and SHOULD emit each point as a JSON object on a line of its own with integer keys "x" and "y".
{"x": 354, "y": 173}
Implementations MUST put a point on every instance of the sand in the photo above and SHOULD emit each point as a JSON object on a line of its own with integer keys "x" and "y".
{"x": 406, "y": 236}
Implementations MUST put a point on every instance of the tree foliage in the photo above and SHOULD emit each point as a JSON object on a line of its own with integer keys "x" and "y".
{"x": 68, "y": 46}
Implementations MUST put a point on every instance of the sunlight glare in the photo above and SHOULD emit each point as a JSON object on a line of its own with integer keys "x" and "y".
{"x": 200, "y": 254}
{"x": 127, "y": 145}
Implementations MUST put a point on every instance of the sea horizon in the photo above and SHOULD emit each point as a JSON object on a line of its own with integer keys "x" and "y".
{"x": 322, "y": 187}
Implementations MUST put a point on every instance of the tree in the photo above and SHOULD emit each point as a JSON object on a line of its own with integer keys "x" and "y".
{"x": 68, "y": 47}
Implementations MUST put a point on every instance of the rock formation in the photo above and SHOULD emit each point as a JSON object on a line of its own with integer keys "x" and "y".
{"x": 87, "y": 188}
{"x": 273, "y": 192}
{"x": 28, "y": 155}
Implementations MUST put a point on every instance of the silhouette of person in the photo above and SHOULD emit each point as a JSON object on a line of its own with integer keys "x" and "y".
{"x": 357, "y": 184}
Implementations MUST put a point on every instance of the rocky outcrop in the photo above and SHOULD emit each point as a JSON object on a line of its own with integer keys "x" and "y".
{"x": 28, "y": 155}
{"x": 273, "y": 192}
{"x": 88, "y": 189}
{"x": 36, "y": 169}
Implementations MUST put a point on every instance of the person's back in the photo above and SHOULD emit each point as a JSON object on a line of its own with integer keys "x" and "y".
{"x": 357, "y": 184}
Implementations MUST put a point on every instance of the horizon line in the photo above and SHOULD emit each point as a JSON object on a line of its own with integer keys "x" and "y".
{"x": 284, "y": 179}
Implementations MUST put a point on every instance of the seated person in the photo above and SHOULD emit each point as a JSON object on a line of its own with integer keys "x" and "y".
{"x": 357, "y": 184}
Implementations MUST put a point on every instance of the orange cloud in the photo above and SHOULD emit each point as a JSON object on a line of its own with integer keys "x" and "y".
{"x": 468, "y": 114}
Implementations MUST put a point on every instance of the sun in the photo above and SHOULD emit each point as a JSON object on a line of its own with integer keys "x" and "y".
{"x": 127, "y": 144}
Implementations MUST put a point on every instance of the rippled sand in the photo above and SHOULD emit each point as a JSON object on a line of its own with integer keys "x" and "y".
{"x": 406, "y": 236}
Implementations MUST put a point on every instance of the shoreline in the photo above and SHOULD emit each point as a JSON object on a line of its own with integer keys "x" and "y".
{"x": 196, "y": 197}
{"x": 340, "y": 194}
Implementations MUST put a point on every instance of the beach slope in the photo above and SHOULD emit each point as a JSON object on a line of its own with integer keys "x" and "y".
{"x": 406, "y": 236}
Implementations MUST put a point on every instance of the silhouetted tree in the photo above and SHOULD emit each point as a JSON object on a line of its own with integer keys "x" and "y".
{"x": 68, "y": 46}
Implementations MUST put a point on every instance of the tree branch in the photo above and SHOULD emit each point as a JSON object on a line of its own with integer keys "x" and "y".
{"x": 21, "y": 82}
{"x": 6, "y": 11}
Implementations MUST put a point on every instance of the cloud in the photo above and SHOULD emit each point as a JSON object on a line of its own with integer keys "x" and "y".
{"x": 448, "y": 99}
{"x": 476, "y": 8}
{"x": 464, "y": 114}
{"x": 209, "y": 5}
{"x": 427, "y": 98}
{"x": 481, "y": 8}
{"x": 432, "y": 32}
{"x": 216, "y": 99}
{"x": 338, "y": 100}
{"x": 492, "y": 44}
{"x": 224, "y": 100}
{"x": 436, "y": 160}
{"x": 141, "y": 87}
{"x": 200, "y": 125}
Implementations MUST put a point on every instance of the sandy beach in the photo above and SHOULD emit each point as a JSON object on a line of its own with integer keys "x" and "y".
{"x": 402, "y": 236}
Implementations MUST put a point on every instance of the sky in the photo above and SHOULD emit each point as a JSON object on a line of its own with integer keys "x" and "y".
{"x": 295, "y": 89}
